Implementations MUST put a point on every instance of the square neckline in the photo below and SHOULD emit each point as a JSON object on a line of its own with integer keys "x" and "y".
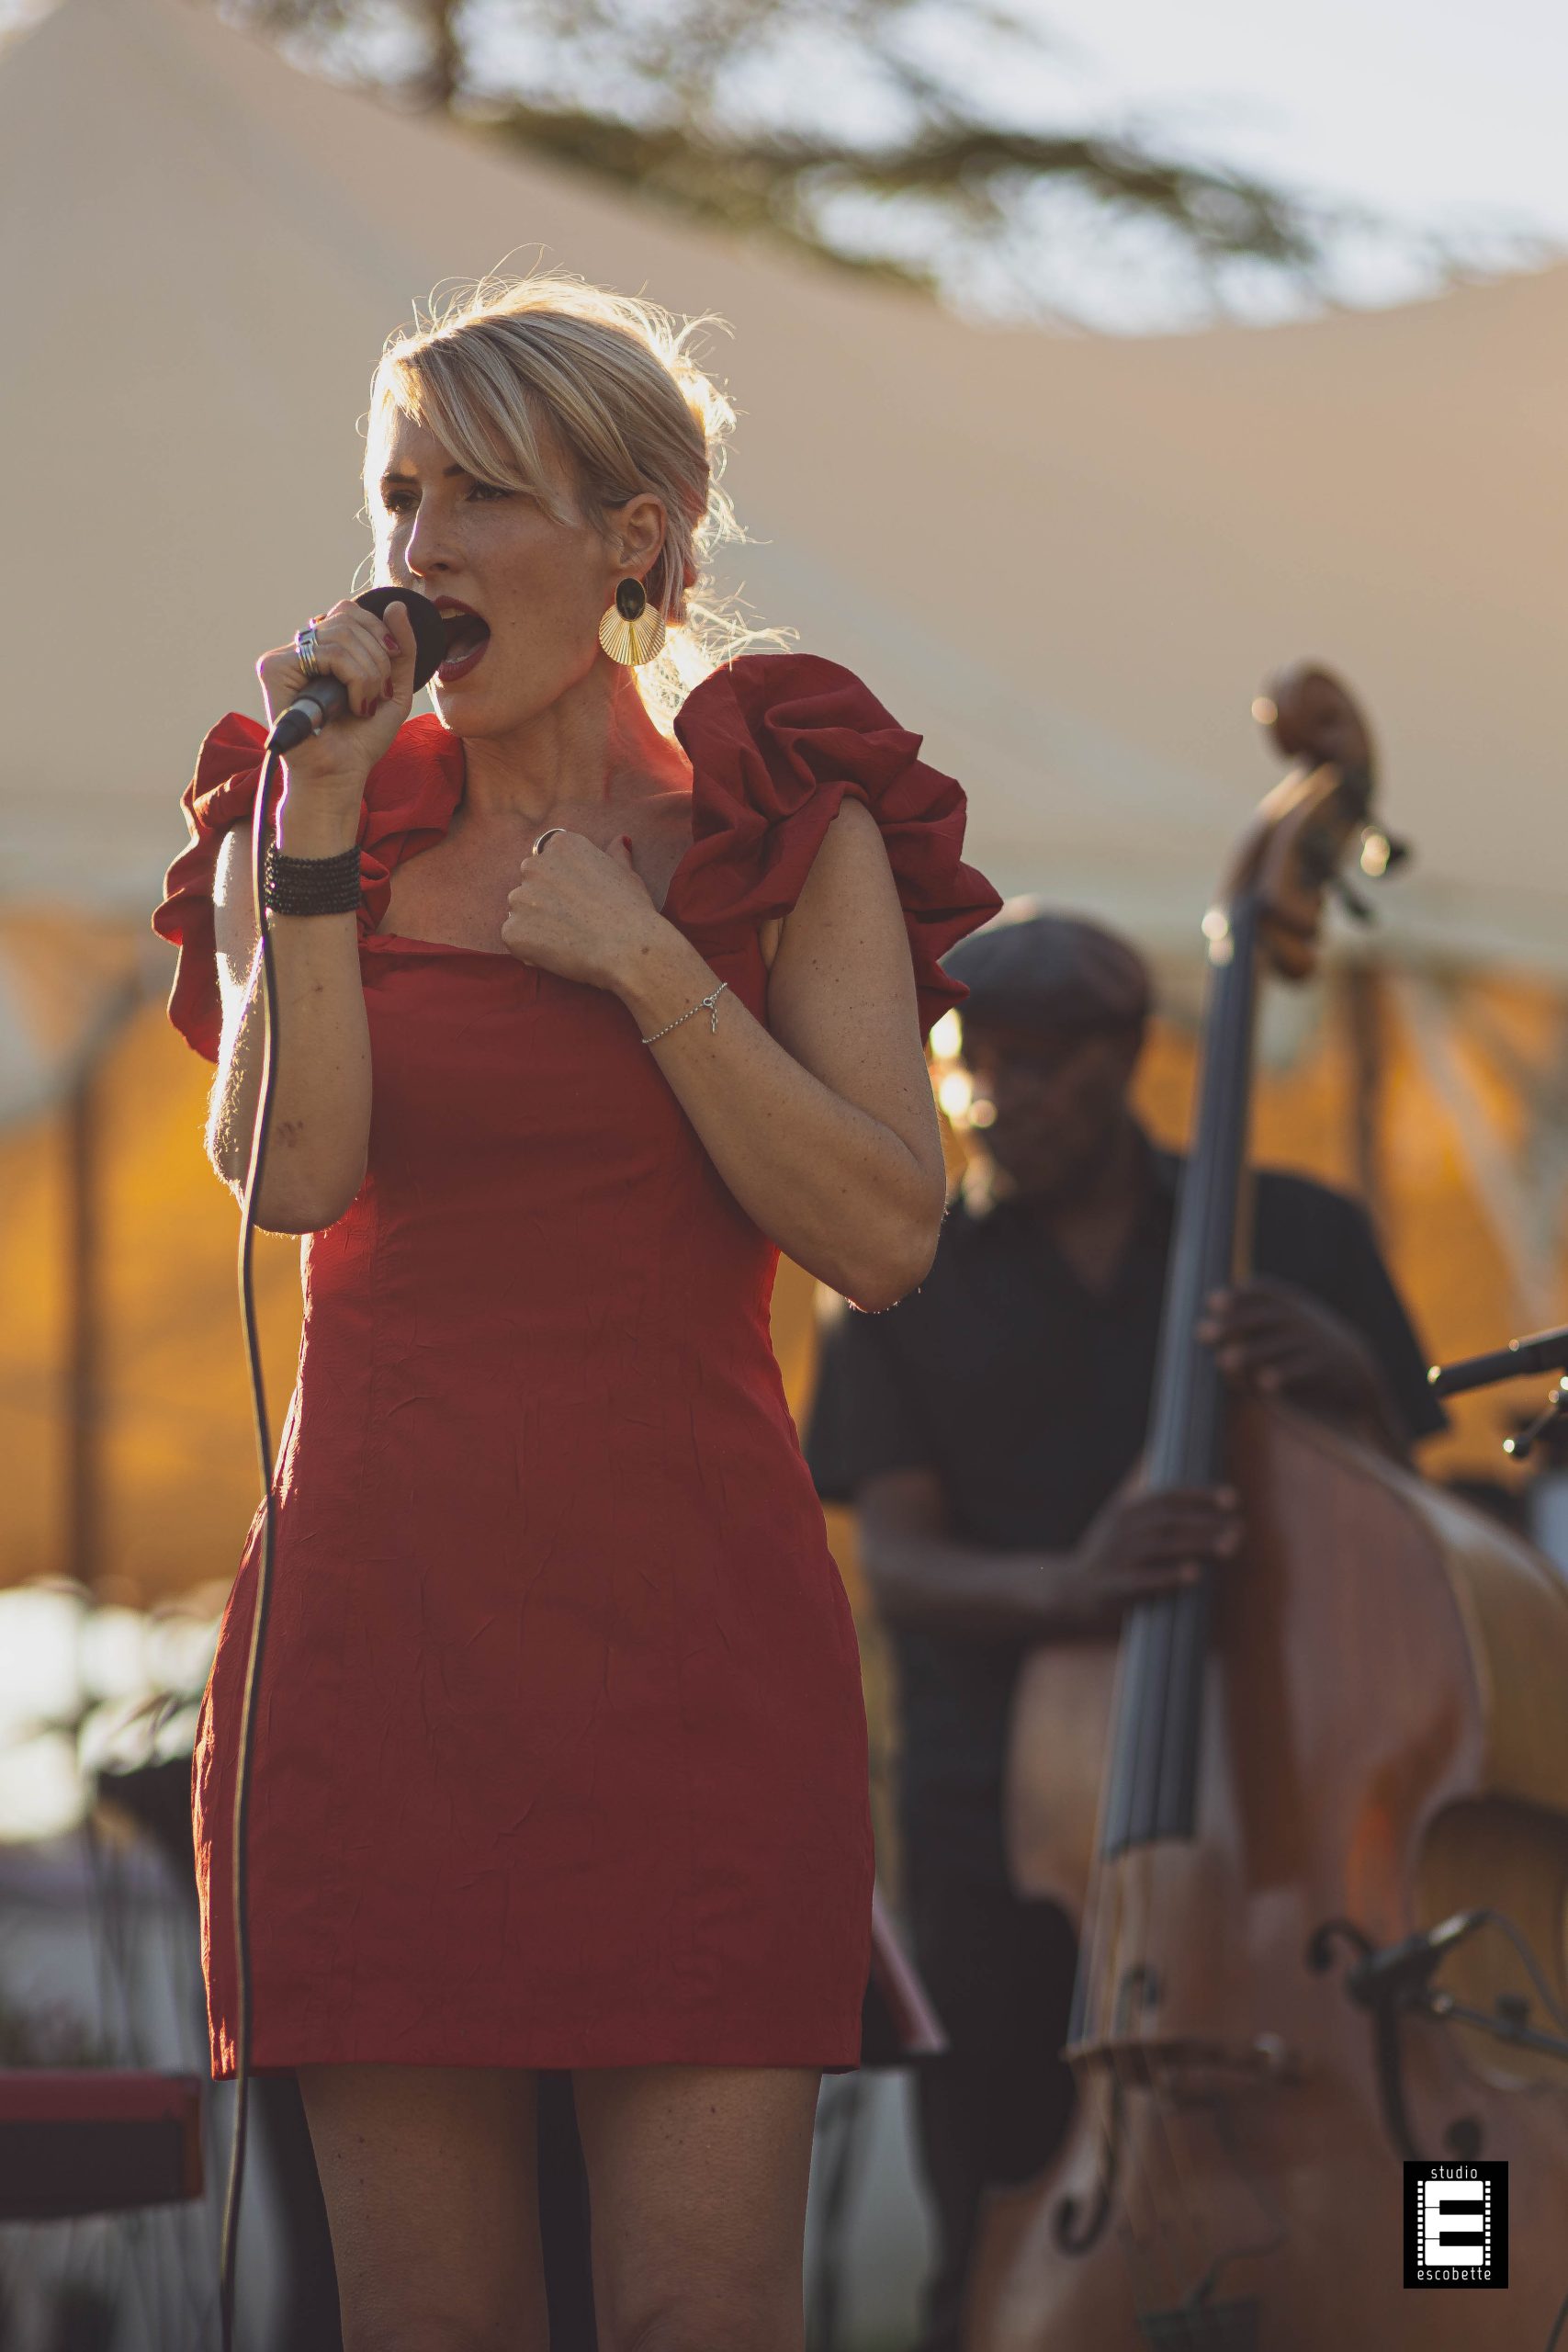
{"x": 456, "y": 947}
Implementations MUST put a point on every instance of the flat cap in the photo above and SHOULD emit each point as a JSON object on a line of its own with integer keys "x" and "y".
{"x": 1043, "y": 970}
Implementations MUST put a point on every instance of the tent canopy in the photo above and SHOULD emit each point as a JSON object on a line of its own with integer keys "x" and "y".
{"x": 1069, "y": 562}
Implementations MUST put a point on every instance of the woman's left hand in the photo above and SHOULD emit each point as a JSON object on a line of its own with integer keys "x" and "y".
{"x": 579, "y": 912}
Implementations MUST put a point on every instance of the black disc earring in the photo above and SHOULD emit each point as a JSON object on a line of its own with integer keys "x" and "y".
{"x": 631, "y": 631}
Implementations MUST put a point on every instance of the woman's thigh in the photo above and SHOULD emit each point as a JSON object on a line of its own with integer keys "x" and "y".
{"x": 430, "y": 2177}
{"x": 698, "y": 2178}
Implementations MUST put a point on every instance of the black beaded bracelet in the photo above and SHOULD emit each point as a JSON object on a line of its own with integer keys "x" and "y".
{"x": 311, "y": 886}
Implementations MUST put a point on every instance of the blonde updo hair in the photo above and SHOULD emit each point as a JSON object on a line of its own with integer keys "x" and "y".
{"x": 502, "y": 370}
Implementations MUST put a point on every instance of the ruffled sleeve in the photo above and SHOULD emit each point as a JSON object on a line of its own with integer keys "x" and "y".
{"x": 776, "y": 741}
{"x": 409, "y": 800}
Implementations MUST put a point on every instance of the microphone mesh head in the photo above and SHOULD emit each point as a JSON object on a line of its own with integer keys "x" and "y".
{"x": 429, "y": 628}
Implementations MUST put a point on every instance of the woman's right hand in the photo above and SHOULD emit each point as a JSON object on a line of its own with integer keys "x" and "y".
{"x": 375, "y": 660}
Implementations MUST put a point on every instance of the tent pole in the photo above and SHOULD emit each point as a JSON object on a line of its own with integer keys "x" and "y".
{"x": 83, "y": 1498}
{"x": 1428, "y": 1014}
{"x": 85, "y": 1163}
{"x": 83, "y": 1376}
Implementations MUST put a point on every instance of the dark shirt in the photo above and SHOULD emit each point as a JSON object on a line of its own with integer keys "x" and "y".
{"x": 1028, "y": 1394}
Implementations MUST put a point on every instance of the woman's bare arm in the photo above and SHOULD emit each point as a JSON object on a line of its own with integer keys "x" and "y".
{"x": 321, "y": 1120}
{"x": 822, "y": 1124}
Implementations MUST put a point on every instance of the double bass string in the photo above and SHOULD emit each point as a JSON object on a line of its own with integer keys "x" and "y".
{"x": 1147, "y": 2261}
{"x": 1092, "y": 2026}
{"x": 1182, "y": 2203}
{"x": 1149, "y": 1789}
{"x": 1188, "y": 1447}
{"x": 1168, "y": 1637}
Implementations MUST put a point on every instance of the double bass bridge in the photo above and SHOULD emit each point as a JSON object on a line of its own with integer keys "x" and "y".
{"x": 1188, "y": 2069}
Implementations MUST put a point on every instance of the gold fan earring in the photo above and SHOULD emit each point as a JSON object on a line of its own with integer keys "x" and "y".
{"x": 631, "y": 631}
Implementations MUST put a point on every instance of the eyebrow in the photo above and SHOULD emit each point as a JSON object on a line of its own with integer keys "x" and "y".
{"x": 446, "y": 473}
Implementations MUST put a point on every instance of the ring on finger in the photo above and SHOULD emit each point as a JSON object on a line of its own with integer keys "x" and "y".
{"x": 548, "y": 834}
{"x": 306, "y": 649}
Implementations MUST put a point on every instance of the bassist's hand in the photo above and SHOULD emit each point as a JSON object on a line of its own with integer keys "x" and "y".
{"x": 1269, "y": 1336}
{"x": 1143, "y": 1544}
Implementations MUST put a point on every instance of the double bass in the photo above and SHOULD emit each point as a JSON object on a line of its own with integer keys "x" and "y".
{"x": 1262, "y": 1801}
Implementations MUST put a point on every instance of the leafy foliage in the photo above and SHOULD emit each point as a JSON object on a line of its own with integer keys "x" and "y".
{"x": 903, "y": 137}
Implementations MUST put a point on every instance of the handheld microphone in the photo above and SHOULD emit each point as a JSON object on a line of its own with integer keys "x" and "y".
{"x": 324, "y": 697}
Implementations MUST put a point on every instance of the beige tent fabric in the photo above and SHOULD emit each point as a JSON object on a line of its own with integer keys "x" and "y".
{"x": 1068, "y": 562}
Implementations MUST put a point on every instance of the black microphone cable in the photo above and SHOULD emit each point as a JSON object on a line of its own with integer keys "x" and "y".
{"x": 229, "y": 2239}
{"x": 328, "y": 695}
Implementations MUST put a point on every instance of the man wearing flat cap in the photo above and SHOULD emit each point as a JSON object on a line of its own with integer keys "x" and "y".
{"x": 986, "y": 1429}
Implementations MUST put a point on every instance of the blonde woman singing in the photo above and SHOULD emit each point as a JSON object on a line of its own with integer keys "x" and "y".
{"x": 560, "y": 1759}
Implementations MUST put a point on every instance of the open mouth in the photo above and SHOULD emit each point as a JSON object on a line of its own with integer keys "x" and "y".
{"x": 466, "y": 638}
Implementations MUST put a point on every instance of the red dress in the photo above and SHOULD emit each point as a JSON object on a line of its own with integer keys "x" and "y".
{"x": 560, "y": 1755}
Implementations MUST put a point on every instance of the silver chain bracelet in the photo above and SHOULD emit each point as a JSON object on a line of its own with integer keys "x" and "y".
{"x": 712, "y": 1003}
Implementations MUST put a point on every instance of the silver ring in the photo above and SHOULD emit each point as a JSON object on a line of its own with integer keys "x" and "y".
{"x": 304, "y": 648}
{"x": 548, "y": 833}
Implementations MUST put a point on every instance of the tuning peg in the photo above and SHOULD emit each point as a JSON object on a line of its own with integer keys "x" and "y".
{"x": 1381, "y": 853}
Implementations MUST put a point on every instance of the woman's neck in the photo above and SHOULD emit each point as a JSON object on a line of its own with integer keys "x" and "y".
{"x": 586, "y": 745}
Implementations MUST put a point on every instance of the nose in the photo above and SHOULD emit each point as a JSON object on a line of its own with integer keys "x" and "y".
{"x": 427, "y": 552}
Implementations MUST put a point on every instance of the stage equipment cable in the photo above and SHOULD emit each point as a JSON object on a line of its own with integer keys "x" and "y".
{"x": 1488, "y": 1917}
{"x": 229, "y": 2240}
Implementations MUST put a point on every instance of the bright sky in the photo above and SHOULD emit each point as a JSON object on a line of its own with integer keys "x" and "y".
{"x": 1439, "y": 120}
{"x": 1425, "y": 108}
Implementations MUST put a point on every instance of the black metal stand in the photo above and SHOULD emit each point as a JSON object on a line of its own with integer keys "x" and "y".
{"x": 1542, "y": 1351}
{"x": 1393, "y": 1983}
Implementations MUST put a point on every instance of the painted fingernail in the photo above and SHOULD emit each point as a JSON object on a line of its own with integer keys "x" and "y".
{"x": 389, "y": 641}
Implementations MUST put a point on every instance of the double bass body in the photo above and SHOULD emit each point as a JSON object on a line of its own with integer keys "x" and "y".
{"x": 1359, "y": 1763}
{"x": 1378, "y": 1740}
